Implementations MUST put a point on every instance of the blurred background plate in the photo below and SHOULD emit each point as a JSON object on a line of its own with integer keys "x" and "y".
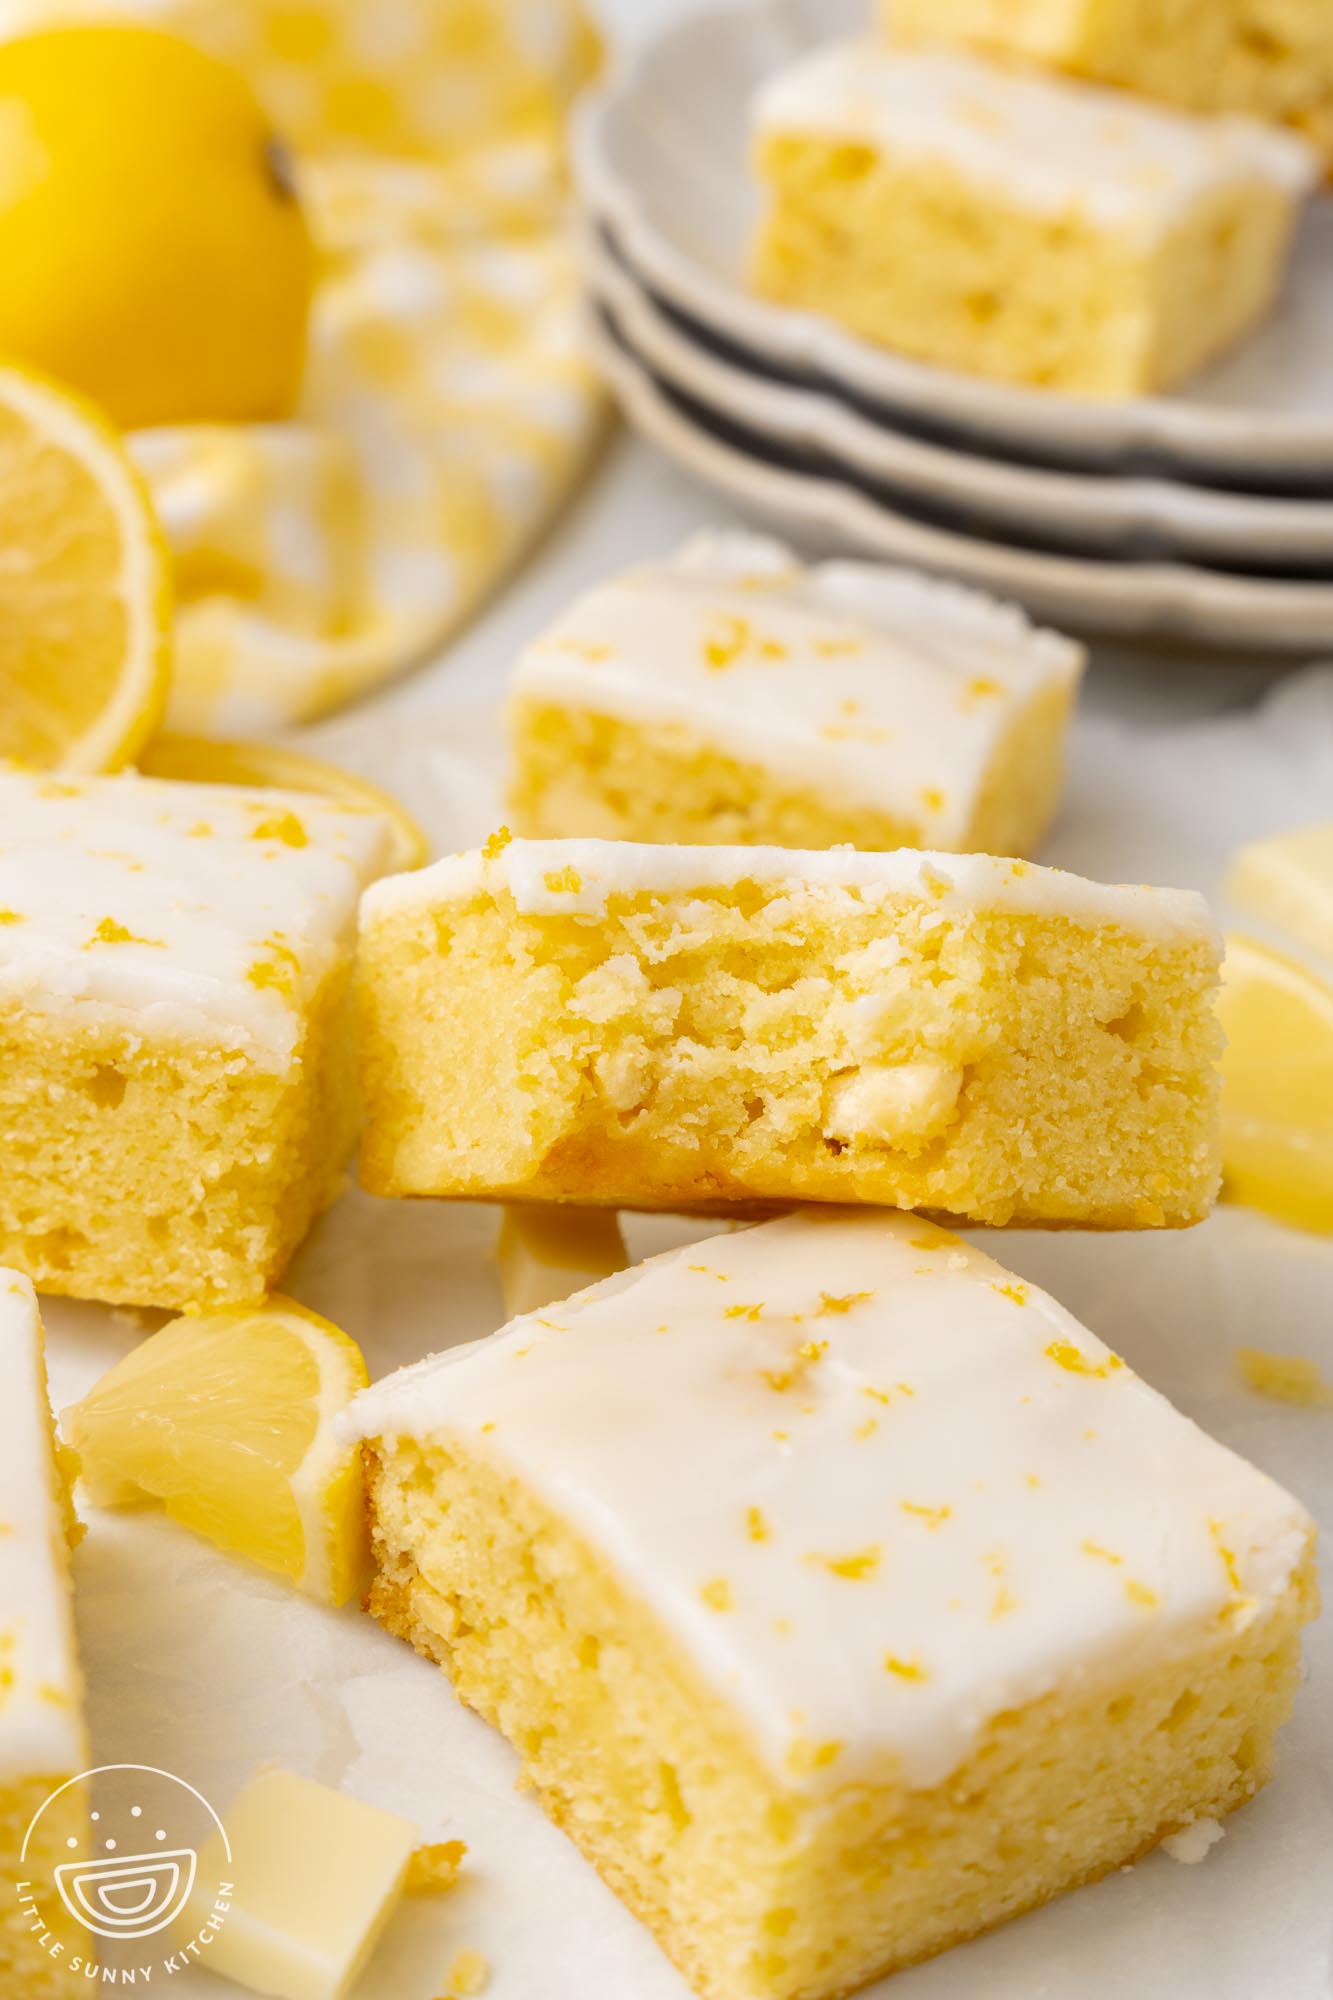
{"x": 823, "y": 507}
{"x": 1085, "y": 513}
{"x": 661, "y": 158}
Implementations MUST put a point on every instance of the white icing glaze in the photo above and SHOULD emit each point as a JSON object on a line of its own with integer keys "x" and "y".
{"x": 878, "y": 1489}
{"x": 578, "y": 877}
{"x": 1047, "y": 143}
{"x": 41, "y": 1728}
{"x": 876, "y": 685}
{"x": 208, "y": 886}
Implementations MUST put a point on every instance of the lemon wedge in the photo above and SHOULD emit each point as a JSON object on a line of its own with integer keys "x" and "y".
{"x": 1288, "y": 881}
{"x": 1277, "y": 1085}
{"x": 212, "y": 760}
{"x": 226, "y": 1419}
{"x": 85, "y": 597}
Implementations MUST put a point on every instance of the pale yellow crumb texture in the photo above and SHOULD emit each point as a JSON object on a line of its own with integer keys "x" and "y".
{"x": 746, "y": 1044}
{"x": 435, "y": 1868}
{"x": 32, "y": 1973}
{"x": 212, "y": 1166}
{"x": 579, "y": 773}
{"x": 917, "y": 257}
{"x": 758, "y": 1889}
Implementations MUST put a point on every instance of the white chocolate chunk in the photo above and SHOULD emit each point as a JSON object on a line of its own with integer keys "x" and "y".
{"x": 317, "y": 1876}
{"x": 548, "y": 1253}
{"x": 1192, "y": 1844}
{"x": 896, "y": 1104}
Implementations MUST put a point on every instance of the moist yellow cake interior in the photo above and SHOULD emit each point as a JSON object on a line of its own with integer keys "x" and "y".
{"x": 912, "y": 254}
{"x": 119, "y": 1146}
{"x": 578, "y": 772}
{"x": 755, "y": 1891}
{"x": 27, "y": 1969}
{"x": 741, "y": 1043}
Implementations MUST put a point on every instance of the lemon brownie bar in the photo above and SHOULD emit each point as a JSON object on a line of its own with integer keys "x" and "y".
{"x": 728, "y": 694}
{"x": 959, "y": 1614}
{"x": 691, "y": 1027}
{"x": 1269, "y": 58}
{"x": 43, "y": 1742}
{"x": 1012, "y": 225}
{"x": 176, "y": 1080}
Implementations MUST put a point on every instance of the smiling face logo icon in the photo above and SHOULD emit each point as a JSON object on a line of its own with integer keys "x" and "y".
{"x": 118, "y": 1850}
{"x": 132, "y": 1897}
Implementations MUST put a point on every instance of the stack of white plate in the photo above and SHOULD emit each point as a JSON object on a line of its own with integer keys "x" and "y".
{"x": 1206, "y": 516}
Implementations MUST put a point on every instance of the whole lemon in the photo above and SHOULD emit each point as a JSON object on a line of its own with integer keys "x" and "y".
{"x": 153, "y": 253}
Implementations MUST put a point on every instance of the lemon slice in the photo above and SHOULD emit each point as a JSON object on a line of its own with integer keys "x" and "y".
{"x": 212, "y": 760}
{"x": 227, "y": 1420}
{"x": 1277, "y": 1085}
{"x": 1288, "y": 881}
{"x": 85, "y": 599}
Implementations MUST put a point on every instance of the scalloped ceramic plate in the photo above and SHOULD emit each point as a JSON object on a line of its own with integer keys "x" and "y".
{"x": 1097, "y": 514}
{"x": 1161, "y": 600}
{"x": 661, "y": 157}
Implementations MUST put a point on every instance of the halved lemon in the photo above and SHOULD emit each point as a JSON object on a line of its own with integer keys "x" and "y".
{"x": 85, "y": 586}
{"x": 210, "y": 760}
{"x": 226, "y": 1419}
{"x": 1277, "y": 1085}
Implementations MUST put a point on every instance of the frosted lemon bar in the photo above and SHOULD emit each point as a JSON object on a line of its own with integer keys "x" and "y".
{"x": 728, "y": 694}
{"x": 176, "y": 1081}
{"x": 1270, "y": 58}
{"x": 959, "y": 1613}
{"x": 1014, "y": 225}
{"x": 43, "y": 1742}
{"x": 604, "y": 1023}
